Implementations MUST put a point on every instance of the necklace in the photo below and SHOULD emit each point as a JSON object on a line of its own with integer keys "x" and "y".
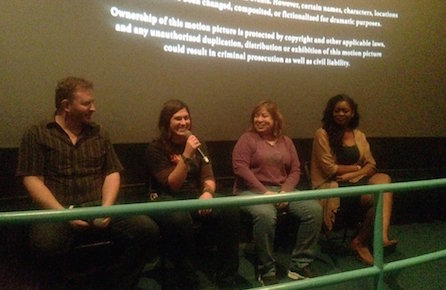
{"x": 271, "y": 142}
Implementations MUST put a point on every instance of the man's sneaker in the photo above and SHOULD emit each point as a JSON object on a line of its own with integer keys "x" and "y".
{"x": 301, "y": 273}
{"x": 268, "y": 280}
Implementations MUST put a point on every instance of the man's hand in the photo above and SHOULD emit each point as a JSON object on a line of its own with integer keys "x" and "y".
{"x": 79, "y": 224}
{"x": 101, "y": 222}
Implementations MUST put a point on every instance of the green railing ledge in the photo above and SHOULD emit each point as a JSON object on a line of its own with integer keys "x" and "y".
{"x": 326, "y": 280}
{"x": 153, "y": 208}
{"x": 161, "y": 207}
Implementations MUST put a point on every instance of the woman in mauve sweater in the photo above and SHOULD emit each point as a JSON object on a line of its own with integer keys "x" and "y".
{"x": 266, "y": 162}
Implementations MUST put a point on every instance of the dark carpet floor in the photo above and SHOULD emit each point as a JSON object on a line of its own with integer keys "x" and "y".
{"x": 333, "y": 257}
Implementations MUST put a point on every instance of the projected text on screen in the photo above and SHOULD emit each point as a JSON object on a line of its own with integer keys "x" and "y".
{"x": 292, "y": 33}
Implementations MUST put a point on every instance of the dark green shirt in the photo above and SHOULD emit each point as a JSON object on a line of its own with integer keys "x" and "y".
{"x": 73, "y": 173}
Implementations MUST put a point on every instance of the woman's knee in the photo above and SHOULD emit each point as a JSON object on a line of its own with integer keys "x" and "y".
{"x": 265, "y": 219}
{"x": 264, "y": 214}
{"x": 329, "y": 184}
{"x": 307, "y": 210}
{"x": 380, "y": 178}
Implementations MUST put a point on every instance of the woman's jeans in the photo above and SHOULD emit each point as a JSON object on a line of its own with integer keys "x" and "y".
{"x": 309, "y": 215}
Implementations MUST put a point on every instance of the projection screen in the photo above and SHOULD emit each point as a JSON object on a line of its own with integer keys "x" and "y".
{"x": 221, "y": 58}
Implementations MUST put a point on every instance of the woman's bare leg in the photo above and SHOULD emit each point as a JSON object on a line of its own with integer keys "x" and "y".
{"x": 360, "y": 243}
{"x": 381, "y": 178}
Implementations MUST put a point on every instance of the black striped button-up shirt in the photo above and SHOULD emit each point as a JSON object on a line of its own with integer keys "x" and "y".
{"x": 74, "y": 173}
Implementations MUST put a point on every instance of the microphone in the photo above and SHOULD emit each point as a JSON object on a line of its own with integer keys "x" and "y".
{"x": 205, "y": 158}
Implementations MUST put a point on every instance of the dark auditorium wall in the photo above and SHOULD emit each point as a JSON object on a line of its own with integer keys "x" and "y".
{"x": 404, "y": 159}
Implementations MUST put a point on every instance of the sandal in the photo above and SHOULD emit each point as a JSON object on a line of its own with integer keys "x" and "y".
{"x": 390, "y": 246}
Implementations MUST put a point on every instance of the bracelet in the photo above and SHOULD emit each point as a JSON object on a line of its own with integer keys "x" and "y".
{"x": 185, "y": 159}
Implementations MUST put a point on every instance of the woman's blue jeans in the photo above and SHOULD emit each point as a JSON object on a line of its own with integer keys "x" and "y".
{"x": 309, "y": 215}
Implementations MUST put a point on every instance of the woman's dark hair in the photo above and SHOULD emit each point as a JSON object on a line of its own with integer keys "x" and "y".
{"x": 168, "y": 110}
{"x": 336, "y": 132}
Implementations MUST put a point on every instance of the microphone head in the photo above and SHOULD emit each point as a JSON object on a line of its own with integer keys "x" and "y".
{"x": 187, "y": 134}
